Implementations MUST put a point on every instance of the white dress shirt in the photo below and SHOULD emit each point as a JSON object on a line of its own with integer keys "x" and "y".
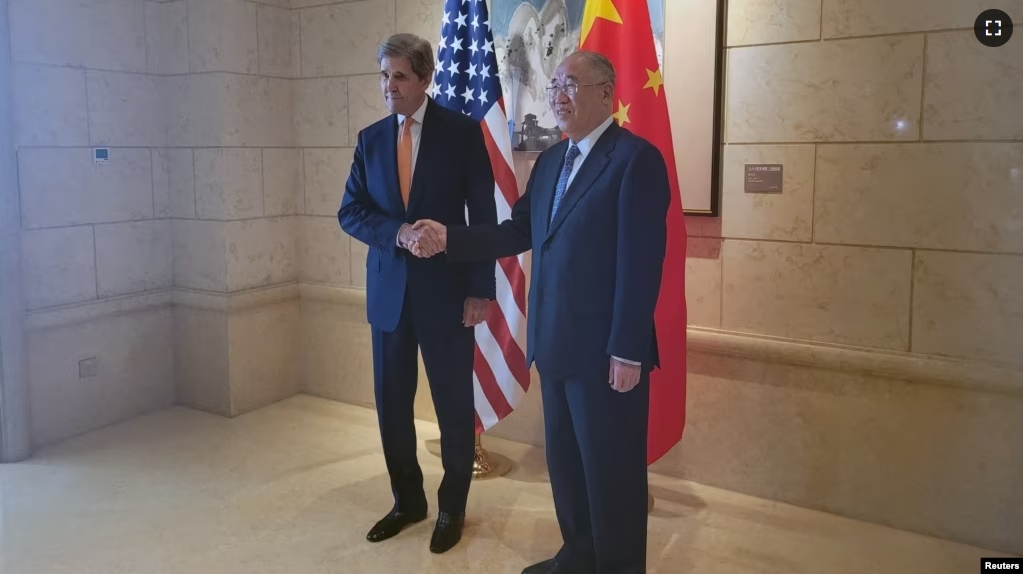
{"x": 585, "y": 146}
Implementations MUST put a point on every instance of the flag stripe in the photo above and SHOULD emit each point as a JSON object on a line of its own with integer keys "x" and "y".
{"x": 489, "y": 385}
{"x": 504, "y": 175}
{"x": 484, "y": 413}
{"x": 492, "y": 353}
{"x": 511, "y": 345}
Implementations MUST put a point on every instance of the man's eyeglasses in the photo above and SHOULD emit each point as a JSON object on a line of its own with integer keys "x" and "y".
{"x": 570, "y": 89}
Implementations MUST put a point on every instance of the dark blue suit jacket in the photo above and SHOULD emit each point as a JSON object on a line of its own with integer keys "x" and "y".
{"x": 597, "y": 268}
{"x": 452, "y": 172}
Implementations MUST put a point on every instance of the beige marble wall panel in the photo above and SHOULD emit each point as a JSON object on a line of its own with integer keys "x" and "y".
{"x": 327, "y": 171}
{"x": 972, "y": 92}
{"x": 134, "y": 257}
{"x": 201, "y": 359}
{"x": 342, "y": 39}
{"x": 167, "y": 37}
{"x": 420, "y": 17}
{"x": 879, "y": 450}
{"x": 100, "y": 34}
{"x": 855, "y": 296}
{"x": 275, "y": 3}
{"x": 870, "y": 17}
{"x": 135, "y": 373}
{"x": 366, "y": 104}
{"x": 200, "y": 255}
{"x": 261, "y": 252}
{"x": 337, "y": 352}
{"x": 174, "y": 183}
{"x": 195, "y": 110}
{"x": 125, "y": 109}
{"x": 62, "y": 186}
{"x": 58, "y": 266}
{"x": 222, "y": 36}
{"x": 963, "y": 196}
{"x": 777, "y": 216}
{"x": 704, "y": 282}
{"x": 282, "y": 181}
{"x": 279, "y": 42}
{"x": 771, "y": 21}
{"x": 295, "y": 4}
{"x": 324, "y": 252}
{"x": 229, "y": 183}
{"x": 49, "y": 106}
{"x": 264, "y": 355}
{"x": 968, "y": 305}
{"x": 850, "y": 90}
{"x": 219, "y": 109}
{"x": 322, "y": 112}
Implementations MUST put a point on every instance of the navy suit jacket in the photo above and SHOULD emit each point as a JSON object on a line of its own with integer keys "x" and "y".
{"x": 452, "y": 172}
{"x": 596, "y": 270}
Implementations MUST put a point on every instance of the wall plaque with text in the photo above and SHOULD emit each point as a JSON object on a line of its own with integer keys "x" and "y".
{"x": 762, "y": 178}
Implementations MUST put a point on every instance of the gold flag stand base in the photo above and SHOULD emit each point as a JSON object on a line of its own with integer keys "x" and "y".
{"x": 487, "y": 465}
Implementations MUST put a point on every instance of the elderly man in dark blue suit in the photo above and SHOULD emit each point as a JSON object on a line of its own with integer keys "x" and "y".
{"x": 594, "y": 214}
{"x": 422, "y": 161}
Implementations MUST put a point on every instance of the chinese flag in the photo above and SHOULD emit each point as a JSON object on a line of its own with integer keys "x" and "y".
{"x": 621, "y": 31}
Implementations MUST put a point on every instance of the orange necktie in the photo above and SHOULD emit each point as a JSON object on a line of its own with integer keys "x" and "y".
{"x": 405, "y": 159}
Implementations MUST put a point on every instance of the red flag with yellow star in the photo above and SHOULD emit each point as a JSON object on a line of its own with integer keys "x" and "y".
{"x": 621, "y": 31}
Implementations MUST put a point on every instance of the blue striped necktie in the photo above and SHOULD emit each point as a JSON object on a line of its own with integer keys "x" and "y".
{"x": 563, "y": 179}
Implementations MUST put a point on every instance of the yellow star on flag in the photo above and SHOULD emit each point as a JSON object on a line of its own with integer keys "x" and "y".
{"x": 654, "y": 80}
{"x": 622, "y": 115}
{"x": 595, "y": 9}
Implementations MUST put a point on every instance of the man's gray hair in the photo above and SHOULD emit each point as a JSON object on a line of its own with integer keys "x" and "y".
{"x": 600, "y": 64}
{"x": 416, "y": 49}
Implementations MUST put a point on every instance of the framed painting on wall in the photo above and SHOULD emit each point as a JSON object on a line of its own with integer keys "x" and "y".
{"x": 532, "y": 36}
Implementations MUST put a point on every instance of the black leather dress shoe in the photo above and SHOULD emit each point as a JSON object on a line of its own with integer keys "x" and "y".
{"x": 549, "y": 566}
{"x": 447, "y": 532}
{"x": 392, "y": 524}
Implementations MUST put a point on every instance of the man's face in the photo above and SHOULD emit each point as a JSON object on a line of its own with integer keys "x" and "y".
{"x": 403, "y": 91}
{"x": 579, "y": 113}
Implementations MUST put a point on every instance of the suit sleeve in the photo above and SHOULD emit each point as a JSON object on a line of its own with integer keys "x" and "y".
{"x": 360, "y": 216}
{"x": 482, "y": 211}
{"x": 642, "y": 232}
{"x": 489, "y": 242}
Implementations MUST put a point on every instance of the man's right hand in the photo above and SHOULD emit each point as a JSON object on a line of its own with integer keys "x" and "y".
{"x": 422, "y": 241}
{"x": 432, "y": 239}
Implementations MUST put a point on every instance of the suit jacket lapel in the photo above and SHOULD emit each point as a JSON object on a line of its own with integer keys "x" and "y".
{"x": 431, "y": 152}
{"x": 391, "y": 163}
{"x": 593, "y": 165}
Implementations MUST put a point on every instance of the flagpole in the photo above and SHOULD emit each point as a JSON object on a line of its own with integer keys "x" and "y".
{"x": 488, "y": 466}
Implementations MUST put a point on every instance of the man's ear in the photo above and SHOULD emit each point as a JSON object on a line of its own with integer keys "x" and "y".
{"x": 609, "y": 92}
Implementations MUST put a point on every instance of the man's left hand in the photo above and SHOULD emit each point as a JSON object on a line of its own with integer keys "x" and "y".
{"x": 623, "y": 376}
{"x": 474, "y": 311}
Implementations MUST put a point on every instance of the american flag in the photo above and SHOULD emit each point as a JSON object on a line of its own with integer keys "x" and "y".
{"x": 466, "y": 79}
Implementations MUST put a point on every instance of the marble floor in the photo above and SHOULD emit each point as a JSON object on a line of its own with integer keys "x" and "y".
{"x": 295, "y": 486}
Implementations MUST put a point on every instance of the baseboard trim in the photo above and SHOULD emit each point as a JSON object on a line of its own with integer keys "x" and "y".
{"x": 914, "y": 367}
{"x": 82, "y": 312}
{"x": 236, "y": 301}
{"x": 183, "y": 297}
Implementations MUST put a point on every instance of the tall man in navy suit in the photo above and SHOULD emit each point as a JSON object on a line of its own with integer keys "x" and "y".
{"x": 594, "y": 214}
{"x": 422, "y": 161}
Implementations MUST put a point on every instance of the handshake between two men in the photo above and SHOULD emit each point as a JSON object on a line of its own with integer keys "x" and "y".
{"x": 426, "y": 239}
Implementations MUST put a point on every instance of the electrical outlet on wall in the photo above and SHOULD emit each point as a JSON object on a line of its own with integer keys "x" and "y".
{"x": 87, "y": 368}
